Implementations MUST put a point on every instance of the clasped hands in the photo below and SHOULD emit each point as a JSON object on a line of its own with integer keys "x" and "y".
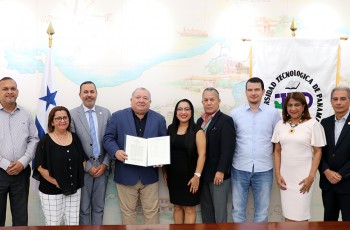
{"x": 14, "y": 168}
{"x": 332, "y": 176}
{"x": 97, "y": 171}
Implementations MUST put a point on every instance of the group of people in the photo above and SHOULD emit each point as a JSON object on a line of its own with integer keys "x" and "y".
{"x": 293, "y": 148}
{"x": 209, "y": 157}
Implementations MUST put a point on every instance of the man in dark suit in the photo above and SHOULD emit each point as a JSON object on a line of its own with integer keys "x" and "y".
{"x": 220, "y": 135}
{"x": 134, "y": 182}
{"x": 96, "y": 174}
{"x": 335, "y": 163}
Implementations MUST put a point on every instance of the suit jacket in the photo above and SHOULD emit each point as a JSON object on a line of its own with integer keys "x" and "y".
{"x": 81, "y": 127}
{"x": 336, "y": 157}
{"x": 221, "y": 142}
{"x": 122, "y": 123}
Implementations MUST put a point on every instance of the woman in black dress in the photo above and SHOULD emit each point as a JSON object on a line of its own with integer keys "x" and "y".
{"x": 59, "y": 166}
{"x": 188, "y": 146}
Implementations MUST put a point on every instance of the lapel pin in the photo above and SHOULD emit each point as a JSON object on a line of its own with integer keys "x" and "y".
{"x": 348, "y": 123}
{"x": 101, "y": 114}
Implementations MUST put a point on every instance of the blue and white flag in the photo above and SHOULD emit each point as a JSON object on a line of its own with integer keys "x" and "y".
{"x": 47, "y": 96}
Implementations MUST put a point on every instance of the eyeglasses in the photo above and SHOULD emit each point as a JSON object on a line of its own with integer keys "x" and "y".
{"x": 180, "y": 109}
{"x": 58, "y": 119}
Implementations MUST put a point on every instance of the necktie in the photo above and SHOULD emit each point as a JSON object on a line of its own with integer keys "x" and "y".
{"x": 95, "y": 149}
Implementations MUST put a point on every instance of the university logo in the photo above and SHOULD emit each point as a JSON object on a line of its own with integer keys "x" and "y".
{"x": 295, "y": 81}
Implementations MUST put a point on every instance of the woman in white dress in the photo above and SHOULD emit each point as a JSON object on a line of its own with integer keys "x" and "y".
{"x": 298, "y": 147}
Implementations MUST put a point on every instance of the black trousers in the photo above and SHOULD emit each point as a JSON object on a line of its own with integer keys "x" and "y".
{"x": 17, "y": 187}
{"x": 335, "y": 202}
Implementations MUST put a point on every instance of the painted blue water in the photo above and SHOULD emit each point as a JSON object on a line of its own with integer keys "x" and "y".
{"x": 26, "y": 62}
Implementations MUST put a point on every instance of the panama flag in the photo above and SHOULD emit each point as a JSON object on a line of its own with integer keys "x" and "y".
{"x": 47, "y": 96}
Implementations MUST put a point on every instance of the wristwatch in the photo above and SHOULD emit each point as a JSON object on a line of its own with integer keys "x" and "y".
{"x": 198, "y": 175}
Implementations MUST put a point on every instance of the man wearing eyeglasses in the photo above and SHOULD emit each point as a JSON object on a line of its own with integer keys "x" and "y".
{"x": 18, "y": 140}
{"x": 135, "y": 182}
{"x": 215, "y": 179}
{"x": 89, "y": 122}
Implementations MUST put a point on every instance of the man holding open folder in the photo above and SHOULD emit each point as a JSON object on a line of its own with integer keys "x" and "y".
{"x": 133, "y": 181}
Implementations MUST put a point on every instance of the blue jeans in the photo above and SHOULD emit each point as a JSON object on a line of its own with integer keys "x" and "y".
{"x": 261, "y": 183}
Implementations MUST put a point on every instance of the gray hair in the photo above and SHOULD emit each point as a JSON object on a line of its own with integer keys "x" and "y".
{"x": 142, "y": 89}
{"x": 347, "y": 89}
{"x": 211, "y": 89}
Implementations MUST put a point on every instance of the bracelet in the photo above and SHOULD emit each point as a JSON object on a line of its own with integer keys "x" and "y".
{"x": 197, "y": 174}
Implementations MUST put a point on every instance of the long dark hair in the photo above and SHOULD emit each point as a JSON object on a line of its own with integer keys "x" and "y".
{"x": 176, "y": 122}
{"x": 298, "y": 96}
{"x": 190, "y": 141}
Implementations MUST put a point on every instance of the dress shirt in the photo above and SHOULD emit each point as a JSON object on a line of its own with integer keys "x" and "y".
{"x": 338, "y": 126}
{"x": 253, "y": 137}
{"x": 140, "y": 124}
{"x": 207, "y": 119}
{"x": 94, "y": 116}
{"x": 18, "y": 137}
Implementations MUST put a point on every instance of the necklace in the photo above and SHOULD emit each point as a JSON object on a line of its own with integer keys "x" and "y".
{"x": 292, "y": 126}
{"x": 58, "y": 139}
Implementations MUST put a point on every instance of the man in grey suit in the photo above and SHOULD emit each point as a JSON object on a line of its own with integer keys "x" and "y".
{"x": 89, "y": 122}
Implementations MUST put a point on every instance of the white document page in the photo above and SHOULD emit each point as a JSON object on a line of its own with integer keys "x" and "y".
{"x": 158, "y": 151}
{"x": 136, "y": 149}
{"x": 147, "y": 152}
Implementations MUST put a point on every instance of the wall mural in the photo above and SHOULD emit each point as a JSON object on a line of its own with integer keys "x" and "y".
{"x": 173, "y": 48}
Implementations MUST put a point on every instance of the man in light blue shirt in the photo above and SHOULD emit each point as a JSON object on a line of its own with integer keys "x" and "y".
{"x": 253, "y": 158}
{"x": 18, "y": 140}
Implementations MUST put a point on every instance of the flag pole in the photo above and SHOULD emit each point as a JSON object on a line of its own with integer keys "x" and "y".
{"x": 293, "y": 28}
{"x": 48, "y": 89}
{"x": 45, "y": 99}
{"x": 50, "y": 31}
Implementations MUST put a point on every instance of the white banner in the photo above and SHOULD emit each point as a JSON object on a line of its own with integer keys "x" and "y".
{"x": 297, "y": 65}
